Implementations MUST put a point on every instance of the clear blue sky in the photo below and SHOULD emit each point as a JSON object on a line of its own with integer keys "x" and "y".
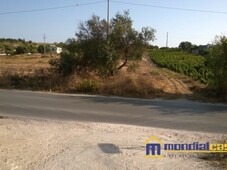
{"x": 61, "y": 24}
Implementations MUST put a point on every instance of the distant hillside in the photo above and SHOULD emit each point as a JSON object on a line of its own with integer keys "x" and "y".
{"x": 10, "y": 46}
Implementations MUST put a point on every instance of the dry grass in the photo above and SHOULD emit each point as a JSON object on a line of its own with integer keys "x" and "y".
{"x": 24, "y": 71}
{"x": 218, "y": 160}
{"x": 137, "y": 79}
{"x": 23, "y": 64}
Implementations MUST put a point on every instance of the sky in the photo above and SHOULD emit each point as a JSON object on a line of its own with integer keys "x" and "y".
{"x": 59, "y": 24}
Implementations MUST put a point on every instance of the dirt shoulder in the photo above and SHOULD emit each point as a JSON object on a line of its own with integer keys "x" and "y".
{"x": 41, "y": 144}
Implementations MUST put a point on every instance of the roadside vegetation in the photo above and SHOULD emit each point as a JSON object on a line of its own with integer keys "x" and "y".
{"x": 217, "y": 62}
{"x": 210, "y": 69}
{"x": 115, "y": 59}
{"x": 136, "y": 79}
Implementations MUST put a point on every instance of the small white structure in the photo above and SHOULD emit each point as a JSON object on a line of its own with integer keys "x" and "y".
{"x": 56, "y": 50}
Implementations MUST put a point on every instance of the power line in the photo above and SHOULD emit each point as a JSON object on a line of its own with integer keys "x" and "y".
{"x": 51, "y": 8}
{"x": 171, "y": 8}
{"x": 118, "y": 2}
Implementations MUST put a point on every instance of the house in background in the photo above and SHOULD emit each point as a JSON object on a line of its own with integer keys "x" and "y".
{"x": 201, "y": 50}
{"x": 54, "y": 49}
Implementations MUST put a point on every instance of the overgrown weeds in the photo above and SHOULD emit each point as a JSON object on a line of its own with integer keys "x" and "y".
{"x": 217, "y": 159}
{"x": 40, "y": 79}
{"x": 88, "y": 86}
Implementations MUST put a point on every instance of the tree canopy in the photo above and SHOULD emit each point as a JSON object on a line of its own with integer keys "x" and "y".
{"x": 185, "y": 46}
{"x": 217, "y": 61}
{"x": 94, "y": 49}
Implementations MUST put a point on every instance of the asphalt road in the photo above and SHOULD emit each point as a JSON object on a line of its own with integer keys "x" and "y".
{"x": 175, "y": 114}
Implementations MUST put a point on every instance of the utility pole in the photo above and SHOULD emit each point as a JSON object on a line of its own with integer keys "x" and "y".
{"x": 44, "y": 45}
{"x": 108, "y": 17}
{"x": 167, "y": 39}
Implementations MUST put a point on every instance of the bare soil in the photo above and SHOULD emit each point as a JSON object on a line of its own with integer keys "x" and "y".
{"x": 45, "y": 144}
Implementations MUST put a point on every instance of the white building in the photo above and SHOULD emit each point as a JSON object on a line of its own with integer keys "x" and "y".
{"x": 56, "y": 50}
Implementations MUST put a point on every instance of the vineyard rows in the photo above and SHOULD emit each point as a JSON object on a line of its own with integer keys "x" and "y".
{"x": 182, "y": 62}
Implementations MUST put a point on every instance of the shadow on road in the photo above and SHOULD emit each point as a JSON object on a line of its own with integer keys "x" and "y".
{"x": 166, "y": 107}
{"x": 171, "y": 114}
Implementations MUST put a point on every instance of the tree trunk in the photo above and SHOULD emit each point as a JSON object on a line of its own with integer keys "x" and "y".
{"x": 126, "y": 59}
{"x": 125, "y": 62}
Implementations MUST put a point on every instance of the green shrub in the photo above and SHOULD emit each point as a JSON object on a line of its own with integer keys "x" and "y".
{"x": 65, "y": 65}
{"x": 88, "y": 86}
{"x": 217, "y": 61}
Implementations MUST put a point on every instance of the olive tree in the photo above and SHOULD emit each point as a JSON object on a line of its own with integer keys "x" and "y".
{"x": 94, "y": 49}
{"x": 129, "y": 42}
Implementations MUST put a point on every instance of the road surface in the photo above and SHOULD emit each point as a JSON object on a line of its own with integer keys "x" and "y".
{"x": 175, "y": 114}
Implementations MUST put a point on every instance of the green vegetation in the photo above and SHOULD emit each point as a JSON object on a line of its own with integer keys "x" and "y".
{"x": 43, "y": 49}
{"x": 217, "y": 62}
{"x": 19, "y": 46}
{"x": 16, "y": 46}
{"x": 100, "y": 46}
{"x": 182, "y": 62}
{"x": 211, "y": 70}
{"x": 185, "y": 46}
{"x": 101, "y": 49}
{"x": 65, "y": 65}
{"x": 202, "y": 50}
{"x": 88, "y": 86}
